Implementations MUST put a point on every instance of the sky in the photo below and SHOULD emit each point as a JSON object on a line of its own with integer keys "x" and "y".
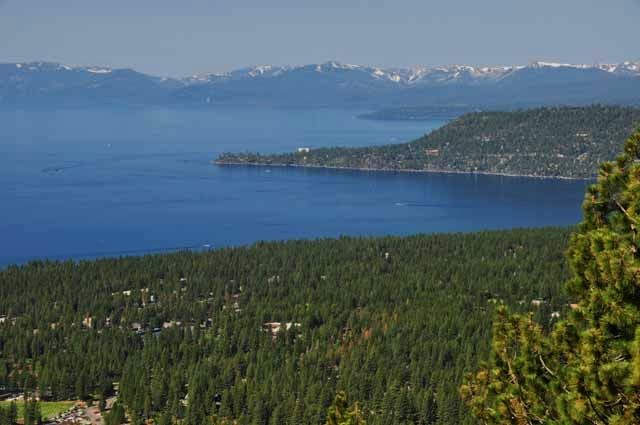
{"x": 185, "y": 37}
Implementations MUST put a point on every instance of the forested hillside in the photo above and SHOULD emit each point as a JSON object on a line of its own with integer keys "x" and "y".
{"x": 269, "y": 333}
{"x": 585, "y": 369}
{"x": 553, "y": 142}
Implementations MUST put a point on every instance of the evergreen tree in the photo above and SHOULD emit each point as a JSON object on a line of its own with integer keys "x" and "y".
{"x": 12, "y": 413}
{"x": 587, "y": 369}
{"x": 116, "y": 416}
{"x": 430, "y": 408}
{"x": 31, "y": 415}
{"x": 340, "y": 413}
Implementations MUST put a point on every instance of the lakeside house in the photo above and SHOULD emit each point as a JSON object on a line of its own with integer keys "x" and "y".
{"x": 87, "y": 322}
{"x": 8, "y": 321}
{"x": 275, "y": 327}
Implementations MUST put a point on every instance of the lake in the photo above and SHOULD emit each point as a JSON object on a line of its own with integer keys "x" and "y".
{"x": 84, "y": 184}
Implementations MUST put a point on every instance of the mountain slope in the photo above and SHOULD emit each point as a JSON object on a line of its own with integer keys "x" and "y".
{"x": 325, "y": 85}
{"x": 51, "y": 84}
{"x": 550, "y": 142}
{"x": 266, "y": 334}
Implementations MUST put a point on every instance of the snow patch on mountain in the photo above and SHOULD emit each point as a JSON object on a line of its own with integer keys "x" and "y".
{"x": 409, "y": 76}
{"x": 260, "y": 70}
{"x": 99, "y": 70}
{"x": 542, "y": 64}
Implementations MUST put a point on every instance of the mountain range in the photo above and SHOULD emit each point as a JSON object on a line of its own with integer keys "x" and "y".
{"x": 331, "y": 84}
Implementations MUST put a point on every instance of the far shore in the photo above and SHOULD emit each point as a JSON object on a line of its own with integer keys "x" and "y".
{"x": 395, "y": 170}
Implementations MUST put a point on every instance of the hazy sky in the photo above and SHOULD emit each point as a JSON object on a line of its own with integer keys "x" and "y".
{"x": 182, "y": 37}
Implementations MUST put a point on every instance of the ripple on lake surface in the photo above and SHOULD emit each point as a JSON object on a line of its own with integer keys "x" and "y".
{"x": 102, "y": 183}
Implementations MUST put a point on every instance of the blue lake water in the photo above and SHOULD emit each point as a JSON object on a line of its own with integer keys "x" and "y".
{"x": 82, "y": 184}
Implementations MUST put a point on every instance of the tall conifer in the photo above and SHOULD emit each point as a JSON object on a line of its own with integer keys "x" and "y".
{"x": 587, "y": 369}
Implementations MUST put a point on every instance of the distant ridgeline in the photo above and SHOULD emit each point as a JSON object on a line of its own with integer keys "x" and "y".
{"x": 546, "y": 142}
{"x": 419, "y": 113}
{"x": 267, "y": 334}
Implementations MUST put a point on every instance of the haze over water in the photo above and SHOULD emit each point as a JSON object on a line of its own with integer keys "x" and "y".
{"x": 84, "y": 184}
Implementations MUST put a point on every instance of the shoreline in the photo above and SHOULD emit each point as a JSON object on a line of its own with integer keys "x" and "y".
{"x": 392, "y": 170}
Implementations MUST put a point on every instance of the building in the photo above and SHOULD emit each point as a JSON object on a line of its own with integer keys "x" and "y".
{"x": 275, "y": 327}
{"x": 87, "y": 322}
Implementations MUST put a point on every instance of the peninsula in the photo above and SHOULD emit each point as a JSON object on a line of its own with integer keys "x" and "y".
{"x": 560, "y": 142}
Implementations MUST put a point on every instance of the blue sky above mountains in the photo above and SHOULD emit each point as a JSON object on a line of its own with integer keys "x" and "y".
{"x": 177, "y": 38}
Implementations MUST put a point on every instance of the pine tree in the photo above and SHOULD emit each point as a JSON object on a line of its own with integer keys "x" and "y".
{"x": 116, "y": 416}
{"x": 12, "y": 414}
{"x": 587, "y": 369}
{"x": 340, "y": 413}
{"x": 32, "y": 414}
{"x": 430, "y": 408}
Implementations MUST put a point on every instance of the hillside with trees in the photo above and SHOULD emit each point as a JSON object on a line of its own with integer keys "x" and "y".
{"x": 586, "y": 368}
{"x": 546, "y": 142}
{"x": 382, "y": 330}
{"x": 269, "y": 334}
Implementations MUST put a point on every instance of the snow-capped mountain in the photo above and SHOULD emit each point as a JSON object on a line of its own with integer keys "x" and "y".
{"x": 263, "y": 71}
{"x": 46, "y": 83}
{"x": 327, "y": 84}
{"x": 418, "y": 75}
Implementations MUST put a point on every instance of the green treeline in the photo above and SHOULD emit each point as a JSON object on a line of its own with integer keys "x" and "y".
{"x": 9, "y": 414}
{"x": 29, "y": 414}
{"x": 269, "y": 334}
{"x": 551, "y": 141}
